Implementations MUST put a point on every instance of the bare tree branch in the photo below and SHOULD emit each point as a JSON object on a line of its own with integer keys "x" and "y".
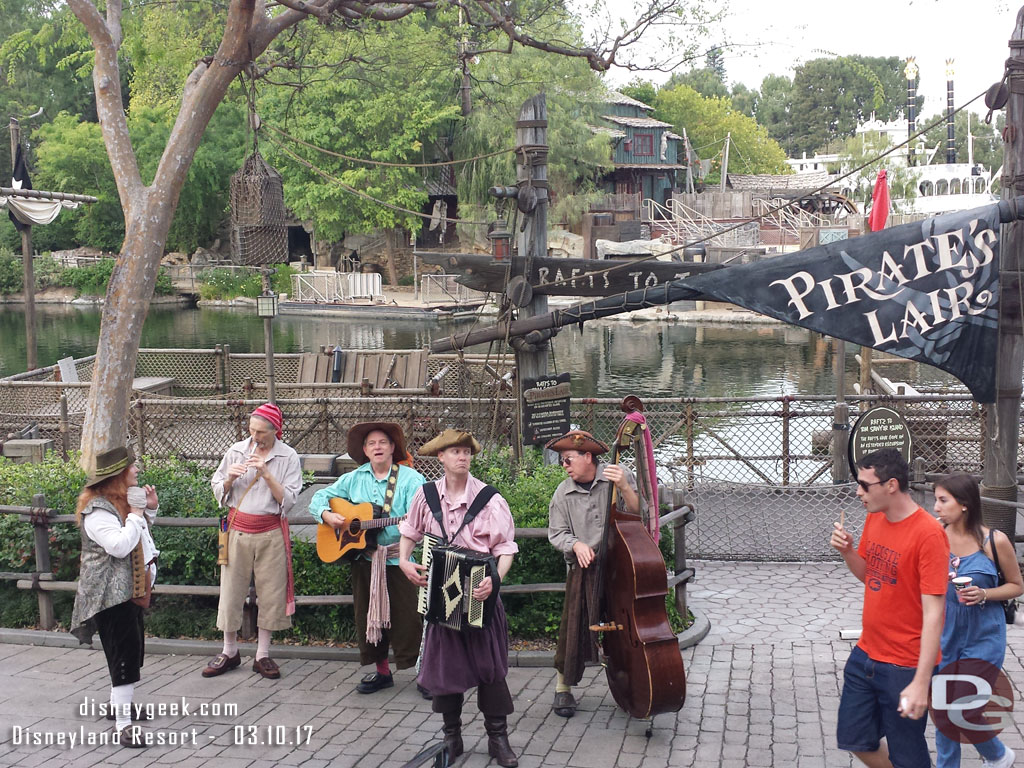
{"x": 106, "y": 78}
{"x": 306, "y": 8}
{"x": 114, "y": 22}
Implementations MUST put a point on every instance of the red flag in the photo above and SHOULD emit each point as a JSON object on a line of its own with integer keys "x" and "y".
{"x": 879, "y": 203}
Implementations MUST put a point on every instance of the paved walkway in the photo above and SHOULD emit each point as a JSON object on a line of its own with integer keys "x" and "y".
{"x": 763, "y": 691}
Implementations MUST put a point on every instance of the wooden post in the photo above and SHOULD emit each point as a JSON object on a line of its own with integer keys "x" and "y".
{"x": 1002, "y": 420}
{"x": 532, "y": 181}
{"x": 28, "y": 272}
{"x": 865, "y": 370}
{"x": 840, "y": 419}
{"x": 41, "y": 532}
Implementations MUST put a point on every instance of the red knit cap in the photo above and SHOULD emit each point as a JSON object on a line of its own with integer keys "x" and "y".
{"x": 271, "y": 414}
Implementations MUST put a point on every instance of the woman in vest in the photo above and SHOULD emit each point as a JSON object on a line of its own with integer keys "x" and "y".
{"x": 116, "y": 579}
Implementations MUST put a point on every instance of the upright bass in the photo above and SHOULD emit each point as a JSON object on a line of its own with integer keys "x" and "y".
{"x": 643, "y": 661}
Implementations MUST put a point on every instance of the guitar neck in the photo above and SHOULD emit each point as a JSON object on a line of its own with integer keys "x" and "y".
{"x": 380, "y": 522}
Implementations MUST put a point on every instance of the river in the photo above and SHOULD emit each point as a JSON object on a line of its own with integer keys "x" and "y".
{"x": 606, "y": 358}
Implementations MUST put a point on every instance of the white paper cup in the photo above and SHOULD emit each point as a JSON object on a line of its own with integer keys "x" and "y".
{"x": 960, "y": 582}
{"x": 137, "y": 497}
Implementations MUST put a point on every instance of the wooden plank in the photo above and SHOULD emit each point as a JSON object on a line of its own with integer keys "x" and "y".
{"x": 583, "y": 277}
{"x": 307, "y": 369}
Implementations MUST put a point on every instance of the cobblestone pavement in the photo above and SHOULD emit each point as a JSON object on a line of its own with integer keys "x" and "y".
{"x": 763, "y": 691}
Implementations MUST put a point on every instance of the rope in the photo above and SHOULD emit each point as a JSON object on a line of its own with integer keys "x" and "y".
{"x": 353, "y": 191}
{"x": 776, "y": 209}
{"x": 381, "y": 162}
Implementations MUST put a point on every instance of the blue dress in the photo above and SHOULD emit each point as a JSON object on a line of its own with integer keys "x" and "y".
{"x": 970, "y": 632}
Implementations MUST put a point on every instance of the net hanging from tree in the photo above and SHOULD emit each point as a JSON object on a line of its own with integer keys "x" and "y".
{"x": 259, "y": 227}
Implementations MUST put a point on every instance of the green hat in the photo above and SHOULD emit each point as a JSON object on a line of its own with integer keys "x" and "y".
{"x": 110, "y": 463}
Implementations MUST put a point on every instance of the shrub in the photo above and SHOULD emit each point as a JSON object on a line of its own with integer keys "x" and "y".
{"x": 223, "y": 284}
{"x": 90, "y": 280}
{"x": 10, "y": 272}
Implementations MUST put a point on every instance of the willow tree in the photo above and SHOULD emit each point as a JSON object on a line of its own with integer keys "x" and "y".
{"x": 253, "y": 39}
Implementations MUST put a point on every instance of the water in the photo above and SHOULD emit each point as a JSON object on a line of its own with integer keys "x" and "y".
{"x": 606, "y": 359}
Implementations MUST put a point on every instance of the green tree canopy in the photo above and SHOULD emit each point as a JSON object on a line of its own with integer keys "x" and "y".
{"x": 708, "y": 121}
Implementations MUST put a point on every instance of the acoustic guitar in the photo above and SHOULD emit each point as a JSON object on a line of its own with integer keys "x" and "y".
{"x": 332, "y": 544}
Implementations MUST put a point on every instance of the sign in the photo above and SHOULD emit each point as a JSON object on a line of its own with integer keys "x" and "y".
{"x": 926, "y": 291}
{"x": 545, "y": 408}
{"x": 879, "y": 428}
{"x": 971, "y": 701}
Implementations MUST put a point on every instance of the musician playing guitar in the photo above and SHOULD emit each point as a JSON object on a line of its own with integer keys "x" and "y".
{"x": 385, "y": 602}
{"x": 455, "y": 661}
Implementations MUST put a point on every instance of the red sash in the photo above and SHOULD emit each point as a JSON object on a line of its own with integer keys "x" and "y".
{"x": 246, "y": 523}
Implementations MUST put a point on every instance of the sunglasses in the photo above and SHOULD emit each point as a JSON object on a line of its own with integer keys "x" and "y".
{"x": 866, "y": 485}
{"x": 567, "y": 460}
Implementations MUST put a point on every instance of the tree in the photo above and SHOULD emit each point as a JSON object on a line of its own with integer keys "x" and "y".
{"x": 988, "y": 142}
{"x": 250, "y": 30}
{"x": 704, "y": 80}
{"x": 641, "y": 90}
{"x": 902, "y": 180}
{"x": 773, "y": 110}
{"x": 707, "y": 121}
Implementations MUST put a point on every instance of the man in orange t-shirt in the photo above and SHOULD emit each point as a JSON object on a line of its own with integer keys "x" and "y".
{"x": 903, "y": 560}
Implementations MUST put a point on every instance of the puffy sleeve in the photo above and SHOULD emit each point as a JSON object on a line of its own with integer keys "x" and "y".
{"x": 104, "y": 527}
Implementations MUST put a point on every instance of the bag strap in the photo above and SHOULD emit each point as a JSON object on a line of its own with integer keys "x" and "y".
{"x": 433, "y": 500}
{"x": 1000, "y": 579}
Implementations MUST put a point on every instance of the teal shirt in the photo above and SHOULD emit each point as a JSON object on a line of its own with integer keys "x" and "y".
{"x": 361, "y": 485}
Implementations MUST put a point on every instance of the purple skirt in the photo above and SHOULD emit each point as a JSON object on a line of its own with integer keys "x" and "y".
{"x": 454, "y": 662}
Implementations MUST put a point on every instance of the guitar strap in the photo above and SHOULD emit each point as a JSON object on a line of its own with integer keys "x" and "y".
{"x": 433, "y": 500}
{"x": 382, "y": 511}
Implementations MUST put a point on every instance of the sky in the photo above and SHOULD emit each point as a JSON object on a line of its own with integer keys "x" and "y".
{"x": 764, "y": 37}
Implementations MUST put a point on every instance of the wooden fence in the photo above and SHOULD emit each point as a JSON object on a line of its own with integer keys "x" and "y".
{"x": 41, "y": 580}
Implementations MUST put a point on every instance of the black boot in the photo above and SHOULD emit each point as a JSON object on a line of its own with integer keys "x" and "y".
{"x": 497, "y": 742}
{"x": 453, "y": 734}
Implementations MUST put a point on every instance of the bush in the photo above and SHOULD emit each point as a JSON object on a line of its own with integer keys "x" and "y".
{"x": 10, "y": 272}
{"x": 220, "y": 284}
{"x": 188, "y": 555}
{"x": 90, "y": 280}
{"x": 407, "y": 280}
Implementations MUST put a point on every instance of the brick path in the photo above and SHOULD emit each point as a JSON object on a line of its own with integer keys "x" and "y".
{"x": 763, "y": 691}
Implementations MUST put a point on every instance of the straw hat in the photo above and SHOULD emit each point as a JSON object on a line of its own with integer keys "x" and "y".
{"x": 450, "y": 438}
{"x": 110, "y": 463}
{"x": 357, "y": 436}
{"x": 578, "y": 440}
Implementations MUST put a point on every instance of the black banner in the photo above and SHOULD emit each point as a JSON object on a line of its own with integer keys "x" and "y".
{"x": 926, "y": 291}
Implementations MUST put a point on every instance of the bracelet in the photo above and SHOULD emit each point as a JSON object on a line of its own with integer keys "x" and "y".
{"x": 984, "y": 598}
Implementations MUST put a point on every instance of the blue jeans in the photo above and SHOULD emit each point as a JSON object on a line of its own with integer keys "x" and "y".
{"x": 868, "y": 711}
{"x": 948, "y": 751}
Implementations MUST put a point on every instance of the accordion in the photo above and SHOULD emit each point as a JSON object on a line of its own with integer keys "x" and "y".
{"x": 452, "y": 575}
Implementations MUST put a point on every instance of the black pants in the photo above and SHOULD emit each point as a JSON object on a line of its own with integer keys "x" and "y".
{"x": 124, "y": 641}
{"x": 403, "y": 636}
{"x": 493, "y": 699}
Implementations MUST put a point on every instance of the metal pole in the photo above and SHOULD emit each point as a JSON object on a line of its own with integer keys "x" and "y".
{"x": 725, "y": 160}
{"x": 28, "y": 274}
{"x": 268, "y": 344}
{"x": 1002, "y": 420}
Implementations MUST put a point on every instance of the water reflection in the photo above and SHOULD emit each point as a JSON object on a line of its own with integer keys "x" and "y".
{"x": 605, "y": 359}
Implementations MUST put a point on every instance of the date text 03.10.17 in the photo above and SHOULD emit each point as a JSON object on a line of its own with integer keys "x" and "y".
{"x": 271, "y": 735}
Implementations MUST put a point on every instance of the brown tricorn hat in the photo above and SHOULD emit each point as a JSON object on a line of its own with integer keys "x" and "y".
{"x": 578, "y": 440}
{"x": 357, "y": 436}
{"x": 108, "y": 464}
{"x": 450, "y": 438}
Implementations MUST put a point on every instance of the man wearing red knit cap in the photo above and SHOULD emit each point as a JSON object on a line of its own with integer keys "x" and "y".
{"x": 258, "y": 481}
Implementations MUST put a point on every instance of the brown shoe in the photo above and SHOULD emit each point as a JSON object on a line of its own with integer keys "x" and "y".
{"x": 267, "y": 668}
{"x": 132, "y": 737}
{"x": 222, "y": 663}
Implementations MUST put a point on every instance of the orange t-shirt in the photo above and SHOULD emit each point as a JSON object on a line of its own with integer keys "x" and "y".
{"x": 904, "y": 561}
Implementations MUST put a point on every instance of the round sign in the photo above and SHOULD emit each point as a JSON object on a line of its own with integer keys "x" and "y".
{"x": 878, "y": 428}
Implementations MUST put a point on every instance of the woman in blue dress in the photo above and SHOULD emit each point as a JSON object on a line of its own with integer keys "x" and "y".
{"x": 975, "y": 625}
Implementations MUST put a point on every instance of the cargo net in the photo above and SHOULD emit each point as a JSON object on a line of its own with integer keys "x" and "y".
{"x": 259, "y": 227}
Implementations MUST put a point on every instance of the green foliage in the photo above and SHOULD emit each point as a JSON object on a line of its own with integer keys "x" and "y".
{"x": 221, "y": 284}
{"x": 707, "y": 121}
{"x": 902, "y": 180}
{"x": 641, "y": 90}
{"x": 988, "y": 141}
{"x": 11, "y": 273}
{"x": 91, "y": 279}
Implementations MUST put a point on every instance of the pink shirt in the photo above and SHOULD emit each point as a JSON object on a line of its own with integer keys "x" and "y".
{"x": 493, "y": 530}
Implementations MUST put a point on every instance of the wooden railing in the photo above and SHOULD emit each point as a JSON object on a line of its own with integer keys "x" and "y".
{"x": 41, "y": 580}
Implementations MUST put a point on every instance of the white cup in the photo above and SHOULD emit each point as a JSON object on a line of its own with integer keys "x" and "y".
{"x": 960, "y": 582}
{"x": 137, "y": 497}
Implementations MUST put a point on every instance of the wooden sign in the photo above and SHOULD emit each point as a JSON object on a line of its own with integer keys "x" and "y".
{"x": 879, "y": 428}
{"x": 567, "y": 277}
{"x": 545, "y": 408}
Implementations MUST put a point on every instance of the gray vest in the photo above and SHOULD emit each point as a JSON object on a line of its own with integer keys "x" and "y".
{"x": 103, "y": 582}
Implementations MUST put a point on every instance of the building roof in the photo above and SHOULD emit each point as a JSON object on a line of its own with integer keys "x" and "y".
{"x": 614, "y": 97}
{"x": 614, "y": 133}
{"x": 636, "y": 122}
{"x": 652, "y": 166}
{"x": 792, "y": 182}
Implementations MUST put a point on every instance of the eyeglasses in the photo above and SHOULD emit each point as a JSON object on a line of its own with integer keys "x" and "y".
{"x": 567, "y": 460}
{"x": 866, "y": 485}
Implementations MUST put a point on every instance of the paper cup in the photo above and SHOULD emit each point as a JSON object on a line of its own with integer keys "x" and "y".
{"x": 137, "y": 497}
{"x": 960, "y": 582}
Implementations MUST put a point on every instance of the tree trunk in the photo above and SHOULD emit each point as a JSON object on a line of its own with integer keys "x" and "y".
{"x": 392, "y": 238}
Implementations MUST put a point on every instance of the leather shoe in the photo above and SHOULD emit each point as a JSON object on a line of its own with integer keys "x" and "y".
{"x": 222, "y": 663}
{"x": 266, "y": 667}
{"x": 132, "y": 737}
{"x": 424, "y": 692}
{"x": 375, "y": 682}
{"x": 565, "y": 704}
{"x": 139, "y": 714}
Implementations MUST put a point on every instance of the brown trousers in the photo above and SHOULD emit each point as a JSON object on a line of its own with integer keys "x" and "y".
{"x": 577, "y": 645}
{"x": 403, "y": 636}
